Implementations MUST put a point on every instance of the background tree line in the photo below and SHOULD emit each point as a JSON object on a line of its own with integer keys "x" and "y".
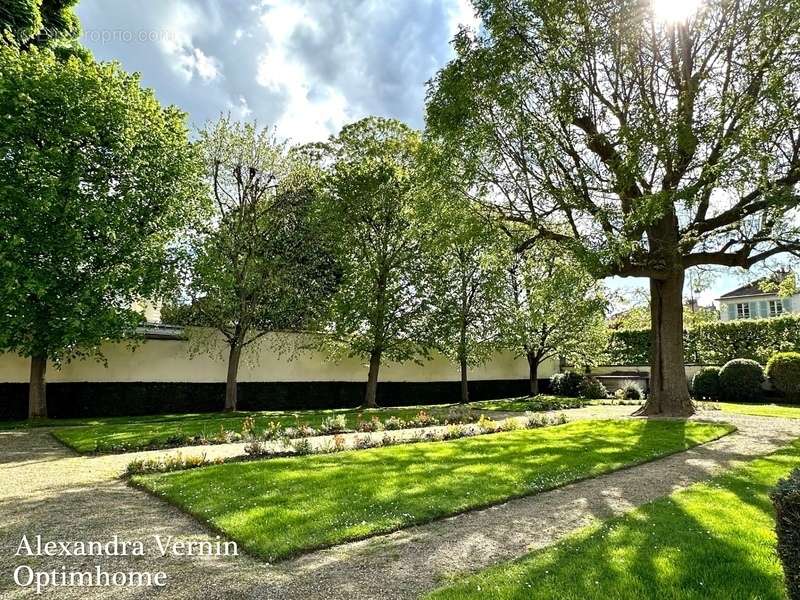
{"x": 552, "y": 153}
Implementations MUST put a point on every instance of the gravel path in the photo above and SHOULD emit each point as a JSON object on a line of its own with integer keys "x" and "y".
{"x": 45, "y": 489}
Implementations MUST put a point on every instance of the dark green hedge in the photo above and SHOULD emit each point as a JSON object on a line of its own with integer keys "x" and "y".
{"x": 786, "y": 498}
{"x": 714, "y": 343}
{"x": 92, "y": 399}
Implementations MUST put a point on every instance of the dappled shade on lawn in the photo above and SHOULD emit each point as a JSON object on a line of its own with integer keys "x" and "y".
{"x": 711, "y": 541}
{"x": 280, "y": 507}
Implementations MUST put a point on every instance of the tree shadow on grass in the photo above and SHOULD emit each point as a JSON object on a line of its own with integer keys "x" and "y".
{"x": 709, "y": 542}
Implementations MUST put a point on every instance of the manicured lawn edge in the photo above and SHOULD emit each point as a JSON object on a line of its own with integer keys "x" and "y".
{"x": 696, "y": 528}
{"x": 245, "y": 544}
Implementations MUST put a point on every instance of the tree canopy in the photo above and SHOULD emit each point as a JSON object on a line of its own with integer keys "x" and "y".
{"x": 40, "y": 22}
{"x": 373, "y": 183}
{"x": 464, "y": 254}
{"x": 552, "y": 308}
{"x": 96, "y": 180}
{"x": 260, "y": 265}
{"x": 643, "y": 147}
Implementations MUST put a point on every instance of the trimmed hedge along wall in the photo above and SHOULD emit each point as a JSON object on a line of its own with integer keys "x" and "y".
{"x": 714, "y": 343}
{"x": 94, "y": 399}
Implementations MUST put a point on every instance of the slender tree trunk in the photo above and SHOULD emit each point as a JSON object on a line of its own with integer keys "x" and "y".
{"x": 533, "y": 372}
{"x": 669, "y": 390}
{"x": 37, "y": 388}
{"x": 372, "y": 380}
{"x": 464, "y": 379}
{"x": 462, "y": 353}
{"x": 232, "y": 382}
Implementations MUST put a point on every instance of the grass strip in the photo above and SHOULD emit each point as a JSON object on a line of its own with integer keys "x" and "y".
{"x": 282, "y": 507}
{"x": 710, "y": 541}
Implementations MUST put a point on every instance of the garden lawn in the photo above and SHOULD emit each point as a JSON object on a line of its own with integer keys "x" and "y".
{"x": 137, "y": 433}
{"x": 710, "y": 541}
{"x": 280, "y": 507}
{"x": 786, "y": 411}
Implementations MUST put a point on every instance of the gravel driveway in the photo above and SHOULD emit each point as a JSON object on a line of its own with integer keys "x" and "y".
{"x": 47, "y": 490}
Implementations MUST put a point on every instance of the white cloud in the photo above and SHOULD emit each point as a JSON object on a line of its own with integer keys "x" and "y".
{"x": 308, "y": 115}
{"x": 186, "y": 58}
{"x": 304, "y": 66}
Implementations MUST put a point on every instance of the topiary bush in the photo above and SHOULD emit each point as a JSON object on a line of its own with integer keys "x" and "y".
{"x": 566, "y": 384}
{"x": 783, "y": 369}
{"x": 786, "y": 498}
{"x": 705, "y": 384}
{"x": 740, "y": 380}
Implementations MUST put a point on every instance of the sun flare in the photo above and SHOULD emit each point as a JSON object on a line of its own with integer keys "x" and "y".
{"x": 675, "y": 11}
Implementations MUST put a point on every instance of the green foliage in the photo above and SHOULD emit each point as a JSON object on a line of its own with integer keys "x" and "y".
{"x": 705, "y": 384}
{"x": 464, "y": 258}
{"x": 372, "y": 190}
{"x": 592, "y": 389}
{"x": 96, "y": 182}
{"x": 551, "y": 307}
{"x": 260, "y": 265}
{"x": 714, "y": 343}
{"x": 638, "y": 317}
{"x": 740, "y": 380}
{"x": 557, "y": 109}
{"x": 786, "y": 498}
{"x": 783, "y": 369}
{"x": 50, "y": 23}
{"x": 566, "y": 384}
{"x": 273, "y": 509}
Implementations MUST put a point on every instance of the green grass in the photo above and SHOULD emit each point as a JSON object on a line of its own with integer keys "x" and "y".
{"x": 143, "y": 432}
{"x": 281, "y": 507}
{"x": 787, "y": 411}
{"x": 533, "y": 403}
{"x": 710, "y": 541}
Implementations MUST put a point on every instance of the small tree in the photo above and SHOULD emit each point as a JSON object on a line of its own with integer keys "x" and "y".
{"x": 259, "y": 268}
{"x": 551, "y": 308}
{"x": 463, "y": 252}
{"x": 96, "y": 180}
{"x": 373, "y": 183}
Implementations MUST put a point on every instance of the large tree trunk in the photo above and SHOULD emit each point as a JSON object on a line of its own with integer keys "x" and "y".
{"x": 232, "y": 382}
{"x": 372, "y": 380}
{"x": 37, "y": 388}
{"x": 533, "y": 372}
{"x": 669, "y": 390}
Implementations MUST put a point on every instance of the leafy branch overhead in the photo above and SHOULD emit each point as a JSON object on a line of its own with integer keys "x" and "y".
{"x": 590, "y": 116}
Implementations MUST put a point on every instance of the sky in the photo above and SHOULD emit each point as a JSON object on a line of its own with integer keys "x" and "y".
{"x": 306, "y": 67}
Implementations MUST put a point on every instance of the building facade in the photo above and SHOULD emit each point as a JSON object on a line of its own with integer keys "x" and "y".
{"x": 750, "y": 302}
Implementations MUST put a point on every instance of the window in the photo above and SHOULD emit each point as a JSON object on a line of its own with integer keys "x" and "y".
{"x": 743, "y": 310}
{"x": 775, "y": 308}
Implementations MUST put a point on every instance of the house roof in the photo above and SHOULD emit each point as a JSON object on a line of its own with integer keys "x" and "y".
{"x": 751, "y": 289}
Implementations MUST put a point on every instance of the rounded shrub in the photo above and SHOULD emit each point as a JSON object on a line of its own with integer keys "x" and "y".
{"x": 592, "y": 389}
{"x": 740, "y": 380}
{"x": 566, "y": 384}
{"x": 705, "y": 384}
{"x": 783, "y": 370}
